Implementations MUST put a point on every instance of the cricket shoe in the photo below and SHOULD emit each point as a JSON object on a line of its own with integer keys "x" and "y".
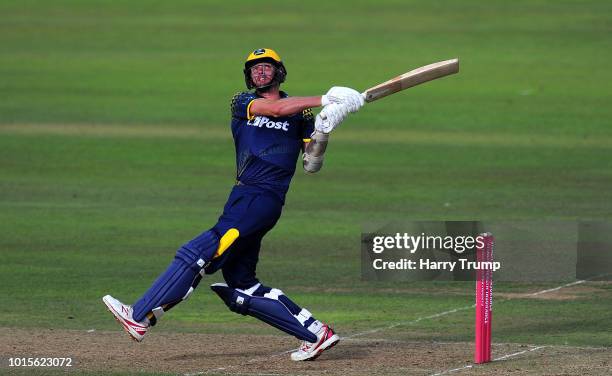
{"x": 123, "y": 313}
{"x": 326, "y": 339}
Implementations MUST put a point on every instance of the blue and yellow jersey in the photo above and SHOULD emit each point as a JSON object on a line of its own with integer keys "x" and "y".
{"x": 267, "y": 148}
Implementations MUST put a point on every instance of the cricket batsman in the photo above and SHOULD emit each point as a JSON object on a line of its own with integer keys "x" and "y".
{"x": 270, "y": 131}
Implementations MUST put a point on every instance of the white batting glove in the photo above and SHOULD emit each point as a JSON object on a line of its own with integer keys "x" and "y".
{"x": 353, "y": 103}
{"x": 330, "y": 117}
{"x": 344, "y": 95}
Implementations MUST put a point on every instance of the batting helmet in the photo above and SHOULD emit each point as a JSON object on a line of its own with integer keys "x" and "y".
{"x": 262, "y": 55}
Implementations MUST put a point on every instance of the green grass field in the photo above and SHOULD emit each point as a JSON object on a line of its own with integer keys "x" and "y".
{"x": 115, "y": 149}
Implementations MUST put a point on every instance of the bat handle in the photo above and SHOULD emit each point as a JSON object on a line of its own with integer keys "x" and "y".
{"x": 365, "y": 96}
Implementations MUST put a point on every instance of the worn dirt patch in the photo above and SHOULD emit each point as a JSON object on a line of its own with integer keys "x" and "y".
{"x": 403, "y": 136}
{"x": 177, "y": 353}
{"x": 567, "y": 293}
{"x": 110, "y": 130}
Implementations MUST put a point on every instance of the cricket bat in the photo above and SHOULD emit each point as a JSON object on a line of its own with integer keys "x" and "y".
{"x": 315, "y": 150}
{"x": 412, "y": 78}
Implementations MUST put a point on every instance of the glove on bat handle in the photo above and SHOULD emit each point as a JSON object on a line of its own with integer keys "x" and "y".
{"x": 324, "y": 117}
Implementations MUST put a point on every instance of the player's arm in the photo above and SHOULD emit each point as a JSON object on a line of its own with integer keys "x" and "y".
{"x": 293, "y": 105}
{"x": 283, "y": 106}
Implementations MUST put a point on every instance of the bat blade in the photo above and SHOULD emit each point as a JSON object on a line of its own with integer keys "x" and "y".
{"x": 412, "y": 78}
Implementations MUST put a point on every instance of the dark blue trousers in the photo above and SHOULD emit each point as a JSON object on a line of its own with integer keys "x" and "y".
{"x": 253, "y": 212}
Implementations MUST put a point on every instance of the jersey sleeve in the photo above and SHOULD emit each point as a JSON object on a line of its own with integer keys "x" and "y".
{"x": 307, "y": 124}
{"x": 241, "y": 104}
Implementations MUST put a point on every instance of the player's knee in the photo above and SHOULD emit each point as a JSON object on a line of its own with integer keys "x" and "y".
{"x": 238, "y": 300}
{"x": 199, "y": 251}
{"x": 235, "y": 299}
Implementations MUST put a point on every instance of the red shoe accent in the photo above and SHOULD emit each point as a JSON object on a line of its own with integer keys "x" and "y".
{"x": 329, "y": 332}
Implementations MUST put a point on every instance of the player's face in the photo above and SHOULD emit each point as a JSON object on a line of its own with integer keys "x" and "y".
{"x": 262, "y": 74}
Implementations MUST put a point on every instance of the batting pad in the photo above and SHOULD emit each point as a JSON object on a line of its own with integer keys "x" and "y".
{"x": 180, "y": 278}
{"x": 267, "y": 309}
